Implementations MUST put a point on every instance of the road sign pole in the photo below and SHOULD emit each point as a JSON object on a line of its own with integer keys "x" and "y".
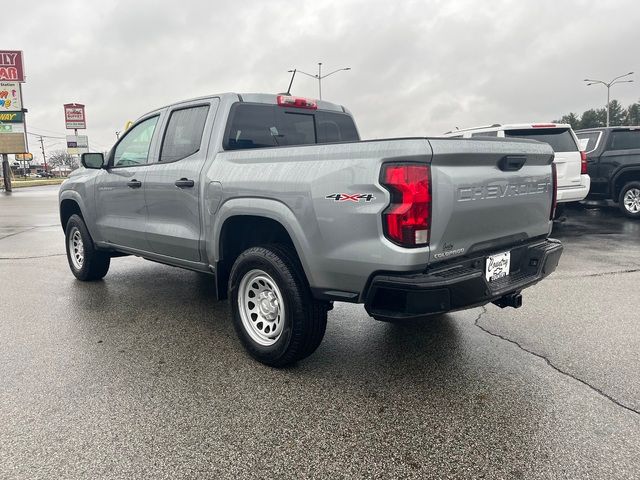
{"x": 6, "y": 172}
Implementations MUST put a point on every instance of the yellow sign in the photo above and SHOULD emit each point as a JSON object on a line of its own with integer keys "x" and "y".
{"x": 24, "y": 157}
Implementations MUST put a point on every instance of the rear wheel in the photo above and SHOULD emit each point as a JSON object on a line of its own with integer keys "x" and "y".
{"x": 629, "y": 200}
{"x": 274, "y": 313}
{"x": 85, "y": 261}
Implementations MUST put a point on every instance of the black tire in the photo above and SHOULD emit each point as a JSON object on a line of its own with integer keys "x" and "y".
{"x": 94, "y": 264}
{"x": 304, "y": 319}
{"x": 631, "y": 186}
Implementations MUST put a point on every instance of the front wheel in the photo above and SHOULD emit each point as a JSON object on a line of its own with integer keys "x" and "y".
{"x": 85, "y": 261}
{"x": 274, "y": 314}
{"x": 629, "y": 200}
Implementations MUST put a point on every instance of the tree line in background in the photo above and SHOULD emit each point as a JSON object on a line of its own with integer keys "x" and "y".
{"x": 618, "y": 115}
{"x": 60, "y": 158}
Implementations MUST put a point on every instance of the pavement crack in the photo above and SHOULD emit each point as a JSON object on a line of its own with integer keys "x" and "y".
{"x": 600, "y": 274}
{"x": 554, "y": 367}
{"x": 34, "y": 256}
{"x": 18, "y": 233}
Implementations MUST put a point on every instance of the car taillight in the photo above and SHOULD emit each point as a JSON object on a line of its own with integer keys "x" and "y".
{"x": 554, "y": 198}
{"x": 407, "y": 220}
{"x": 583, "y": 163}
{"x": 297, "y": 102}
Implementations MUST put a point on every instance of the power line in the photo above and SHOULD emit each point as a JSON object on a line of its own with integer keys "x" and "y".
{"x": 44, "y": 136}
{"x": 33, "y": 127}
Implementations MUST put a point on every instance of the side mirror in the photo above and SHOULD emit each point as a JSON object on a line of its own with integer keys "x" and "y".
{"x": 92, "y": 160}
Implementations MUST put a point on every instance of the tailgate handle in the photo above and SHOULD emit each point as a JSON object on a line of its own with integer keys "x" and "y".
{"x": 511, "y": 163}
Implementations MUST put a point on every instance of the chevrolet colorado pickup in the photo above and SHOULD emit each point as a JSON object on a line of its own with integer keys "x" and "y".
{"x": 281, "y": 202}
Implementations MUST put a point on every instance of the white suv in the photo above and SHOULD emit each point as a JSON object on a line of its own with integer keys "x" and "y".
{"x": 571, "y": 162}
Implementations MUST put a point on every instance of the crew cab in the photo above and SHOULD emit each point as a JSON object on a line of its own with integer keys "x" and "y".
{"x": 570, "y": 160}
{"x": 613, "y": 159}
{"x": 278, "y": 199}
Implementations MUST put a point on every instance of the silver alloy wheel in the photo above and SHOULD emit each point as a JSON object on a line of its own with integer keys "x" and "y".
{"x": 76, "y": 248}
{"x": 631, "y": 200}
{"x": 261, "y": 307}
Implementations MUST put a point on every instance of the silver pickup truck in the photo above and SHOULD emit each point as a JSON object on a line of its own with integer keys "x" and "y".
{"x": 281, "y": 202}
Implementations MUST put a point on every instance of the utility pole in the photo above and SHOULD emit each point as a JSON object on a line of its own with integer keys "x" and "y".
{"x": 44, "y": 157}
{"x": 609, "y": 85}
{"x": 318, "y": 76}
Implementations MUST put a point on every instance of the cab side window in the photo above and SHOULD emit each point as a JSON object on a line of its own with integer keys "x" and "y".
{"x": 625, "y": 139}
{"x": 184, "y": 133}
{"x": 134, "y": 147}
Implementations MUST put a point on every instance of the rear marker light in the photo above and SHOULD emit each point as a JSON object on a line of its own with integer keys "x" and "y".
{"x": 297, "y": 102}
{"x": 543, "y": 125}
{"x": 407, "y": 220}
{"x": 554, "y": 197}
{"x": 583, "y": 163}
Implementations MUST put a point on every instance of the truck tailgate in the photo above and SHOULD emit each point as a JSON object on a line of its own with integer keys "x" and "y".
{"x": 483, "y": 200}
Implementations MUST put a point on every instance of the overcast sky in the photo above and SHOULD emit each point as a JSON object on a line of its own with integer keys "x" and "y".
{"x": 418, "y": 68}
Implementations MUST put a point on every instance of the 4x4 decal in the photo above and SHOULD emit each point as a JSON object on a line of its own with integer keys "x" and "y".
{"x": 350, "y": 197}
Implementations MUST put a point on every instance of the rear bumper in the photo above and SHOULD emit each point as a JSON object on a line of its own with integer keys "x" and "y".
{"x": 575, "y": 193}
{"x": 459, "y": 285}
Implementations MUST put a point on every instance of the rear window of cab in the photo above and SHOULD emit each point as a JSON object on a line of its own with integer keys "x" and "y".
{"x": 560, "y": 139}
{"x": 256, "y": 125}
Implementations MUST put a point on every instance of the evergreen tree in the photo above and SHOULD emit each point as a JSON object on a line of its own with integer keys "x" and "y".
{"x": 592, "y": 118}
{"x": 572, "y": 119}
{"x": 617, "y": 114}
{"x": 633, "y": 114}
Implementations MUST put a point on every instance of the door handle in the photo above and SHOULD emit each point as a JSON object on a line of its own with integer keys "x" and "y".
{"x": 184, "y": 182}
{"x": 134, "y": 183}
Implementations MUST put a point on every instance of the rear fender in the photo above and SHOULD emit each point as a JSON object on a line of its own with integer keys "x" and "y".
{"x": 259, "y": 207}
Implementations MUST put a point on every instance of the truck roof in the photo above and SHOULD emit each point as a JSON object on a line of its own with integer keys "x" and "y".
{"x": 511, "y": 126}
{"x": 599, "y": 129}
{"x": 267, "y": 98}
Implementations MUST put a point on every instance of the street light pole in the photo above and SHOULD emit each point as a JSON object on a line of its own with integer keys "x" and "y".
{"x": 318, "y": 76}
{"x": 609, "y": 85}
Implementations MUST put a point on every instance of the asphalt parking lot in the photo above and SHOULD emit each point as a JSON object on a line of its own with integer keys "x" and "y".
{"x": 141, "y": 375}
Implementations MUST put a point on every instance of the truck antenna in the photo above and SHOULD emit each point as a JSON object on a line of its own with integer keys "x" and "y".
{"x": 293, "y": 75}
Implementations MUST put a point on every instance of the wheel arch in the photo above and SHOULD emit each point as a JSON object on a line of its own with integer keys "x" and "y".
{"x": 621, "y": 178}
{"x": 69, "y": 205}
{"x": 240, "y": 225}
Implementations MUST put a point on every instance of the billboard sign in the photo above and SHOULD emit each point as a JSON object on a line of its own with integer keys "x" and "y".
{"x": 11, "y": 117}
{"x": 12, "y": 138}
{"x": 74, "y": 117}
{"x": 10, "y": 100}
{"x": 11, "y": 66}
{"x": 77, "y": 144}
{"x": 24, "y": 157}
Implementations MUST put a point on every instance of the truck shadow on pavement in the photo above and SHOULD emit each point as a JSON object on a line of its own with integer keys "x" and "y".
{"x": 156, "y": 301}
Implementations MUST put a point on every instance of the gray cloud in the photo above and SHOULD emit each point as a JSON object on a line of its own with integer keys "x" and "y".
{"x": 418, "y": 68}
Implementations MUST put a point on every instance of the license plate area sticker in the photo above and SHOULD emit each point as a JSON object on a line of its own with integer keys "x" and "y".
{"x": 498, "y": 266}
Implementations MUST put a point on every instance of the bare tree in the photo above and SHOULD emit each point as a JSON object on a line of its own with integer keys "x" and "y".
{"x": 60, "y": 158}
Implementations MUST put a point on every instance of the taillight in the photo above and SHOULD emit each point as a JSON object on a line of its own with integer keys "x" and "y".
{"x": 297, "y": 102}
{"x": 583, "y": 163}
{"x": 407, "y": 220}
{"x": 554, "y": 198}
{"x": 543, "y": 125}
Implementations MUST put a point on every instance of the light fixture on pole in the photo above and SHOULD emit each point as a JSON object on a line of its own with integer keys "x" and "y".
{"x": 318, "y": 76}
{"x": 609, "y": 85}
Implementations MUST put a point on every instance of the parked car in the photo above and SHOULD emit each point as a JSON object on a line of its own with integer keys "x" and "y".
{"x": 278, "y": 199}
{"x": 613, "y": 159}
{"x": 570, "y": 160}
